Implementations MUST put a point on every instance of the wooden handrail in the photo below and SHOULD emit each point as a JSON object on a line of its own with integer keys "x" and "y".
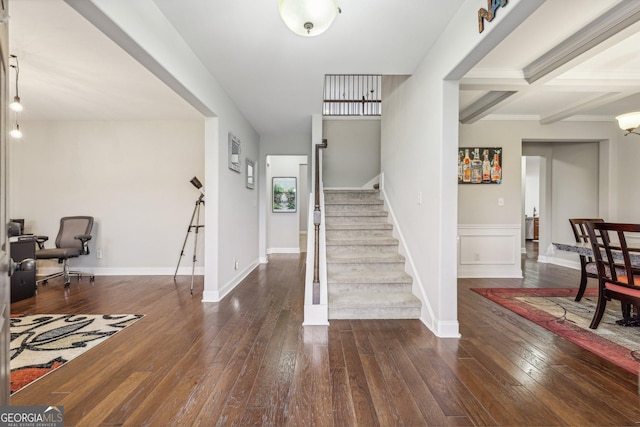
{"x": 316, "y": 223}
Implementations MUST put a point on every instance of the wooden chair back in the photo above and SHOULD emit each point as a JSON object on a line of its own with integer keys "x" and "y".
{"x": 618, "y": 265}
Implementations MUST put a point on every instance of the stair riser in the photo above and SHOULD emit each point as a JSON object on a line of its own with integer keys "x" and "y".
{"x": 343, "y": 288}
{"x": 342, "y": 218}
{"x": 374, "y": 313}
{"x": 339, "y": 197}
{"x": 352, "y": 210}
{"x": 362, "y": 250}
{"x": 355, "y": 234}
{"x": 368, "y": 267}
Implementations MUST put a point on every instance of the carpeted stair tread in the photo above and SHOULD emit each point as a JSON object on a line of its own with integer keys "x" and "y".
{"x": 354, "y": 202}
{"x": 373, "y": 300}
{"x": 359, "y": 226}
{"x": 373, "y": 278}
{"x": 370, "y": 258}
{"x": 361, "y": 241}
{"x": 365, "y": 272}
{"x": 356, "y": 213}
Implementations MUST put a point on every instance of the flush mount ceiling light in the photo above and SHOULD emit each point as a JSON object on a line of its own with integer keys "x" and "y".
{"x": 629, "y": 122}
{"x": 308, "y": 18}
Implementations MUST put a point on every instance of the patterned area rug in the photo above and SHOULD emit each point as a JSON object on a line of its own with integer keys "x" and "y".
{"x": 44, "y": 342}
{"x": 556, "y": 310}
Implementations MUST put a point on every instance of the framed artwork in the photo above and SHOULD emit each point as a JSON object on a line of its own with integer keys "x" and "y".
{"x": 251, "y": 173}
{"x": 234, "y": 153}
{"x": 480, "y": 165}
{"x": 285, "y": 198}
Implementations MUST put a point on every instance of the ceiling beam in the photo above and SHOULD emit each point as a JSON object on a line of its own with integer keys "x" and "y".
{"x": 613, "y": 21}
{"x": 581, "y": 106}
{"x": 483, "y": 106}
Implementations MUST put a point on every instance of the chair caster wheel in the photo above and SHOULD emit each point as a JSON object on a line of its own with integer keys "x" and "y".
{"x": 67, "y": 284}
{"x": 92, "y": 278}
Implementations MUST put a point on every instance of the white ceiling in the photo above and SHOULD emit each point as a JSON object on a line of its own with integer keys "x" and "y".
{"x": 71, "y": 71}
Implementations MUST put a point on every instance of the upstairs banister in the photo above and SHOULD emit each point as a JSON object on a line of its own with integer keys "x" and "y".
{"x": 317, "y": 215}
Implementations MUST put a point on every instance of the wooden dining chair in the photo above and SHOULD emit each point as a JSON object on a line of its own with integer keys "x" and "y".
{"x": 587, "y": 265}
{"x": 618, "y": 277}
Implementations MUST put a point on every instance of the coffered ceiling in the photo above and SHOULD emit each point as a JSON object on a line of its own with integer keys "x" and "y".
{"x": 71, "y": 71}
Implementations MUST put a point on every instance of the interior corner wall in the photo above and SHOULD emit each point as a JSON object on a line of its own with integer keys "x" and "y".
{"x": 131, "y": 176}
{"x": 352, "y": 156}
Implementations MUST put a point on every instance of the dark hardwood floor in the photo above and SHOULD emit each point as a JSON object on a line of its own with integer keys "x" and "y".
{"x": 248, "y": 361}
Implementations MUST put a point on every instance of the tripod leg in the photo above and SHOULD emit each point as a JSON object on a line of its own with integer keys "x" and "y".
{"x": 186, "y": 237}
{"x": 195, "y": 246}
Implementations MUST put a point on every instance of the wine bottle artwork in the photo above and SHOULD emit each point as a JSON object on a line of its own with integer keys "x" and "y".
{"x": 480, "y": 165}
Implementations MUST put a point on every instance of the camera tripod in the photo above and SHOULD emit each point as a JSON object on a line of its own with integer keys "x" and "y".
{"x": 196, "y": 227}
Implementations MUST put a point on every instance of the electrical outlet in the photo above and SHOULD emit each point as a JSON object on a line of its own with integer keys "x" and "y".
{"x": 99, "y": 254}
{"x": 236, "y": 264}
{"x": 500, "y": 201}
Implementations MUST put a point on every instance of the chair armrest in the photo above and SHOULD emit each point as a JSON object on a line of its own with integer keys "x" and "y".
{"x": 40, "y": 241}
{"x": 85, "y": 242}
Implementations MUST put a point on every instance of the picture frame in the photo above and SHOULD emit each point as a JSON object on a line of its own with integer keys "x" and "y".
{"x": 479, "y": 165}
{"x": 234, "y": 153}
{"x": 251, "y": 173}
{"x": 284, "y": 195}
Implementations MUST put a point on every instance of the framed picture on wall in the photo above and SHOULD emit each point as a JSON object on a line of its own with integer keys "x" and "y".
{"x": 480, "y": 165}
{"x": 284, "y": 192}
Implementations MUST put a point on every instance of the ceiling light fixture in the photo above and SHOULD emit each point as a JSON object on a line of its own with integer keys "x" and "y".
{"x": 16, "y": 132}
{"x": 629, "y": 122}
{"x": 16, "y": 105}
{"x": 308, "y": 18}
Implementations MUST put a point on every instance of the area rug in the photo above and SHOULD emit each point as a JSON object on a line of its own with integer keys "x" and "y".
{"x": 44, "y": 342}
{"x": 556, "y": 310}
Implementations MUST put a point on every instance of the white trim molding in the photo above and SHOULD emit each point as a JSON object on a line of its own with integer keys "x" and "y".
{"x": 489, "y": 251}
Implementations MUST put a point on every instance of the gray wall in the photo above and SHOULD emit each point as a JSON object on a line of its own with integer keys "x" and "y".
{"x": 133, "y": 177}
{"x": 352, "y": 157}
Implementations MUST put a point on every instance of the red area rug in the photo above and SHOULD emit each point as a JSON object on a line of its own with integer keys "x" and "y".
{"x": 556, "y": 310}
{"x": 44, "y": 342}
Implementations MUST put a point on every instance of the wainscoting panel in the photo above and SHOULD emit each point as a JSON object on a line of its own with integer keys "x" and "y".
{"x": 489, "y": 250}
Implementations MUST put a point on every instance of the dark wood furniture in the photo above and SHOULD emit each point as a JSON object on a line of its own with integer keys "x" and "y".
{"x": 587, "y": 264}
{"x": 23, "y": 283}
{"x": 618, "y": 278}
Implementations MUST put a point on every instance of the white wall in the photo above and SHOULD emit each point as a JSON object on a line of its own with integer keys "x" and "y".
{"x": 352, "y": 157}
{"x": 419, "y": 150}
{"x": 132, "y": 177}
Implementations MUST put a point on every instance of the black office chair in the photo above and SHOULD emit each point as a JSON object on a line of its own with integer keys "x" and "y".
{"x": 71, "y": 242}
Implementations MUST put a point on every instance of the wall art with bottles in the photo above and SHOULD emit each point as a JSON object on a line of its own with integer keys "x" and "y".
{"x": 479, "y": 165}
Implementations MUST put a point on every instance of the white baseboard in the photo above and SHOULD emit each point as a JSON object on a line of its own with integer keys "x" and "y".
{"x": 217, "y": 296}
{"x": 126, "y": 271}
{"x": 283, "y": 251}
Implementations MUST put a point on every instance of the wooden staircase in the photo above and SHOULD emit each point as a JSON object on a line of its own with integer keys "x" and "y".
{"x": 365, "y": 272}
